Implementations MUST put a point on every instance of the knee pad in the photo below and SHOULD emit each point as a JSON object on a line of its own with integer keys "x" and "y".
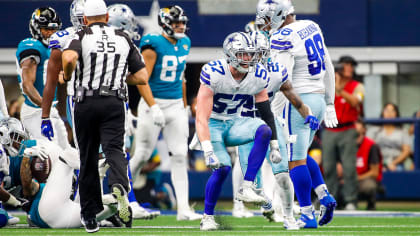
{"x": 283, "y": 180}
{"x": 263, "y": 132}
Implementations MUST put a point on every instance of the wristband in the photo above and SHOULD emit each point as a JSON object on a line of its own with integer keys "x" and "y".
{"x": 206, "y": 145}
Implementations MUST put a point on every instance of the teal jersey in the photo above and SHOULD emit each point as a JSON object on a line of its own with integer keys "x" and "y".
{"x": 166, "y": 78}
{"x": 14, "y": 170}
{"x": 34, "y": 212}
{"x": 33, "y": 48}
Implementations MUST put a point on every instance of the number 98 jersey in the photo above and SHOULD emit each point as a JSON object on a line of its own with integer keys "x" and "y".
{"x": 166, "y": 78}
{"x": 229, "y": 95}
{"x": 303, "y": 40}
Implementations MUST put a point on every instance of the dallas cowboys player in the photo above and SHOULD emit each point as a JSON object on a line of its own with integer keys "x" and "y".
{"x": 164, "y": 102}
{"x": 300, "y": 46}
{"x": 31, "y": 61}
{"x": 226, "y": 86}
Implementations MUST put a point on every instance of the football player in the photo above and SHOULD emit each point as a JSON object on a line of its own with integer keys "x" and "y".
{"x": 164, "y": 102}
{"x": 49, "y": 205}
{"x": 226, "y": 86}
{"x": 3, "y": 107}
{"x": 31, "y": 57}
{"x": 299, "y": 45}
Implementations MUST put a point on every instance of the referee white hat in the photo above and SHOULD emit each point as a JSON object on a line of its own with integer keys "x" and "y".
{"x": 95, "y": 8}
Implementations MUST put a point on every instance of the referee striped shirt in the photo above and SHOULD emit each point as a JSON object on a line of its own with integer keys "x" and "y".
{"x": 105, "y": 56}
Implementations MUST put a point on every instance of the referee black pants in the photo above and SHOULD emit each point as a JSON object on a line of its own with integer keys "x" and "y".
{"x": 99, "y": 120}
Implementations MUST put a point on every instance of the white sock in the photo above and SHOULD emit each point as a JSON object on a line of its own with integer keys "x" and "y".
{"x": 321, "y": 191}
{"x": 286, "y": 192}
{"x": 179, "y": 178}
{"x": 307, "y": 210}
{"x": 237, "y": 179}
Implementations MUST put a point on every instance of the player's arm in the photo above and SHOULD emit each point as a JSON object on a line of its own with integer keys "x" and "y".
{"x": 3, "y": 105}
{"x": 204, "y": 108}
{"x": 29, "y": 67}
{"x": 184, "y": 93}
{"x": 150, "y": 57}
{"x": 53, "y": 70}
{"x": 69, "y": 60}
{"x": 295, "y": 99}
{"x": 29, "y": 186}
{"x": 329, "y": 79}
{"x": 263, "y": 105}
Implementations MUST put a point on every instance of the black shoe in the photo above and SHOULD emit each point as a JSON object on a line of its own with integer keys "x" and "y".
{"x": 91, "y": 225}
{"x": 124, "y": 210}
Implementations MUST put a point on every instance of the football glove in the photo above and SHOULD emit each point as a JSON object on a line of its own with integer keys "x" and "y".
{"x": 330, "y": 117}
{"x": 210, "y": 158}
{"x": 312, "y": 121}
{"x": 158, "y": 116}
{"x": 275, "y": 156}
{"x": 38, "y": 151}
{"x": 47, "y": 129}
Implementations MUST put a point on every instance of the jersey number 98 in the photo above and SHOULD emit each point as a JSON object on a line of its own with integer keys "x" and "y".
{"x": 315, "y": 50}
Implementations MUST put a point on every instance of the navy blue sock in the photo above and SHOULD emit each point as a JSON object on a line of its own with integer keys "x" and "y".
{"x": 316, "y": 175}
{"x": 213, "y": 188}
{"x": 131, "y": 196}
{"x": 258, "y": 152}
{"x": 302, "y": 183}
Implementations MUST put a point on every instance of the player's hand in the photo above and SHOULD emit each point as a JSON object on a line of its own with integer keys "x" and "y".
{"x": 158, "y": 116}
{"x": 211, "y": 160}
{"x": 312, "y": 121}
{"x": 275, "y": 156}
{"x": 38, "y": 151}
{"x": 47, "y": 129}
{"x": 330, "y": 117}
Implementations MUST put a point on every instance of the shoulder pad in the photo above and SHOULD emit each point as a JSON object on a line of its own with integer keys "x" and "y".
{"x": 282, "y": 39}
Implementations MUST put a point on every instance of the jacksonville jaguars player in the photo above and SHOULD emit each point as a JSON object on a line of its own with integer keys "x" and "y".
{"x": 164, "y": 102}
{"x": 226, "y": 86}
{"x": 49, "y": 205}
{"x": 300, "y": 46}
{"x": 31, "y": 61}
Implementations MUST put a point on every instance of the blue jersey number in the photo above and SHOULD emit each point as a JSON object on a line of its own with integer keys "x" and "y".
{"x": 216, "y": 66}
{"x": 315, "y": 50}
{"x": 62, "y": 33}
{"x": 219, "y": 106}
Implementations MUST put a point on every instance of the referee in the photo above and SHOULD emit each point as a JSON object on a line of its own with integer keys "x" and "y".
{"x": 105, "y": 57}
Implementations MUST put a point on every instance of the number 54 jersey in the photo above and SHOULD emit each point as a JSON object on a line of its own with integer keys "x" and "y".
{"x": 166, "y": 78}
{"x": 229, "y": 95}
{"x": 302, "y": 42}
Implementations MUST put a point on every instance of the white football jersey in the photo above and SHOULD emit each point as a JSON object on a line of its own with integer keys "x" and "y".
{"x": 59, "y": 40}
{"x": 229, "y": 94}
{"x": 303, "y": 41}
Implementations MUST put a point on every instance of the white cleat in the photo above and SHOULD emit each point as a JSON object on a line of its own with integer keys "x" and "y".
{"x": 188, "y": 215}
{"x": 278, "y": 218}
{"x": 240, "y": 211}
{"x": 12, "y": 220}
{"x": 139, "y": 212}
{"x": 247, "y": 194}
{"x": 208, "y": 223}
{"x": 290, "y": 223}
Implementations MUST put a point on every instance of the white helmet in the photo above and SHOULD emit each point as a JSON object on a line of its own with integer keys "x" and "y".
{"x": 77, "y": 9}
{"x": 251, "y": 27}
{"x": 262, "y": 44}
{"x": 272, "y": 13}
{"x": 238, "y": 45}
{"x": 12, "y": 135}
{"x": 122, "y": 17}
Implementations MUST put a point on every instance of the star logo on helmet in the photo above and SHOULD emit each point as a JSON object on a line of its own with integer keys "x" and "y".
{"x": 269, "y": 2}
{"x": 231, "y": 40}
{"x": 124, "y": 10}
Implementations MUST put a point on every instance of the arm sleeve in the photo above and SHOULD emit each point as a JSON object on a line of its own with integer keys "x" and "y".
{"x": 3, "y": 105}
{"x": 329, "y": 79}
{"x": 267, "y": 116}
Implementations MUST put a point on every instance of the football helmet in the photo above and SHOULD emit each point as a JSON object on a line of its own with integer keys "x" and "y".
{"x": 77, "y": 9}
{"x": 272, "y": 13}
{"x": 43, "y": 18}
{"x": 13, "y": 135}
{"x": 122, "y": 17}
{"x": 169, "y": 15}
{"x": 262, "y": 44}
{"x": 251, "y": 27}
{"x": 240, "y": 51}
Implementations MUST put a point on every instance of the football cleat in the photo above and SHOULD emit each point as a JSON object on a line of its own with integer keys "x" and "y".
{"x": 139, "y": 212}
{"x": 188, "y": 215}
{"x": 290, "y": 223}
{"x": 247, "y": 194}
{"x": 307, "y": 222}
{"x": 326, "y": 210}
{"x": 208, "y": 223}
{"x": 11, "y": 220}
{"x": 240, "y": 211}
{"x": 124, "y": 210}
{"x": 91, "y": 225}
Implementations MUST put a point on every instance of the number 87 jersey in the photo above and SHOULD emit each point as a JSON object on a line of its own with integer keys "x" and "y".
{"x": 166, "y": 78}
{"x": 300, "y": 46}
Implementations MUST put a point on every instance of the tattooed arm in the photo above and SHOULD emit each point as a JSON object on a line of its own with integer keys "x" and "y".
{"x": 294, "y": 98}
{"x": 29, "y": 187}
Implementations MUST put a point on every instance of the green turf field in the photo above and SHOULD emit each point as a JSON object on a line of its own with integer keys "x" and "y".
{"x": 167, "y": 225}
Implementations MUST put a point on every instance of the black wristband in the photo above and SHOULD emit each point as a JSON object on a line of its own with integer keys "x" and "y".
{"x": 267, "y": 116}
